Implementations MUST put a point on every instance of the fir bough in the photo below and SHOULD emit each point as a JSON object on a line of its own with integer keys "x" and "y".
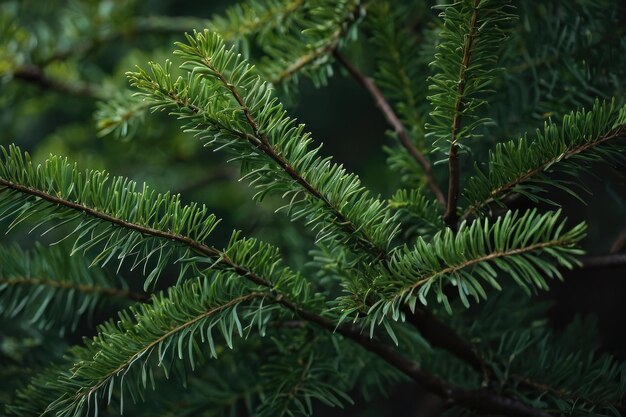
{"x": 413, "y": 285}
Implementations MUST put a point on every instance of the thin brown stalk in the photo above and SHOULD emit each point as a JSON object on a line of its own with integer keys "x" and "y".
{"x": 604, "y": 261}
{"x": 83, "y": 288}
{"x": 37, "y": 76}
{"x": 451, "y": 216}
{"x": 392, "y": 119}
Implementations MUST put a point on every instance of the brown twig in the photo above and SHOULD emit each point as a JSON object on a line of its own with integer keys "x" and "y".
{"x": 619, "y": 245}
{"x": 604, "y": 261}
{"x": 392, "y": 119}
{"x": 84, "y": 288}
{"x": 451, "y": 216}
{"x": 481, "y": 399}
{"x": 37, "y": 76}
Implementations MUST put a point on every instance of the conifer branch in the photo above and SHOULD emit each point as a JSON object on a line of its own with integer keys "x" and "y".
{"x": 483, "y": 400}
{"x": 260, "y": 141}
{"x": 453, "y": 269}
{"x": 197, "y": 99}
{"x": 392, "y": 119}
{"x": 157, "y": 341}
{"x": 450, "y": 216}
{"x": 582, "y": 137}
{"x": 83, "y": 288}
{"x": 330, "y": 44}
{"x": 523, "y": 247}
{"x": 48, "y": 289}
{"x": 200, "y": 248}
{"x": 506, "y": 188}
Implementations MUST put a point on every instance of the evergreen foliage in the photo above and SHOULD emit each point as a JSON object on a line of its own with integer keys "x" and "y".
{"x": 333, "y": 296}
{"x": 53, "y": 291}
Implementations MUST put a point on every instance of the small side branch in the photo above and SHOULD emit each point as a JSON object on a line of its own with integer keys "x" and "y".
{"x": 604, "y": 261}
{"x": 441, "y": 336}
{"x": 392, "y": 119}
{"x": 451, "y": 216}
{"x": 83, "y": 288}
{"x": 37, "y": 76}
{"x": 480, "y": 399}
{"x": 619, "y": 245}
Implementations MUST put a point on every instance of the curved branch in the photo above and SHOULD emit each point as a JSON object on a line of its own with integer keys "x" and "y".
{"x": 481, "y": 399}
{"x": 198, "y": 247}
{"x": 37, "y": 76}
{"x": 83, "y": 288}
{"x": 393, "y": 120}
{"x": 261, "y": 142}
{"x": 163, "y": 337}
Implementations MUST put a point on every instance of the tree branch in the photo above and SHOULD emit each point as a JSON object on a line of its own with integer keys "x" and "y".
{"x": 325, "y": 49}
{"x": 604, "y": 261}
{"x": 480, "y": 399}
{"x": 36, "y": 75}
{"x": 619, "y": 245}
{"x": 185, "y": 240}
{"x": 451, "y": 217}
{"x": 261, "y": 142}
{"x": 84, "y": 288}
{"x": 392, "y": 119}
{"x": 160, "y": 339}
{"x": 506, "y": 188}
